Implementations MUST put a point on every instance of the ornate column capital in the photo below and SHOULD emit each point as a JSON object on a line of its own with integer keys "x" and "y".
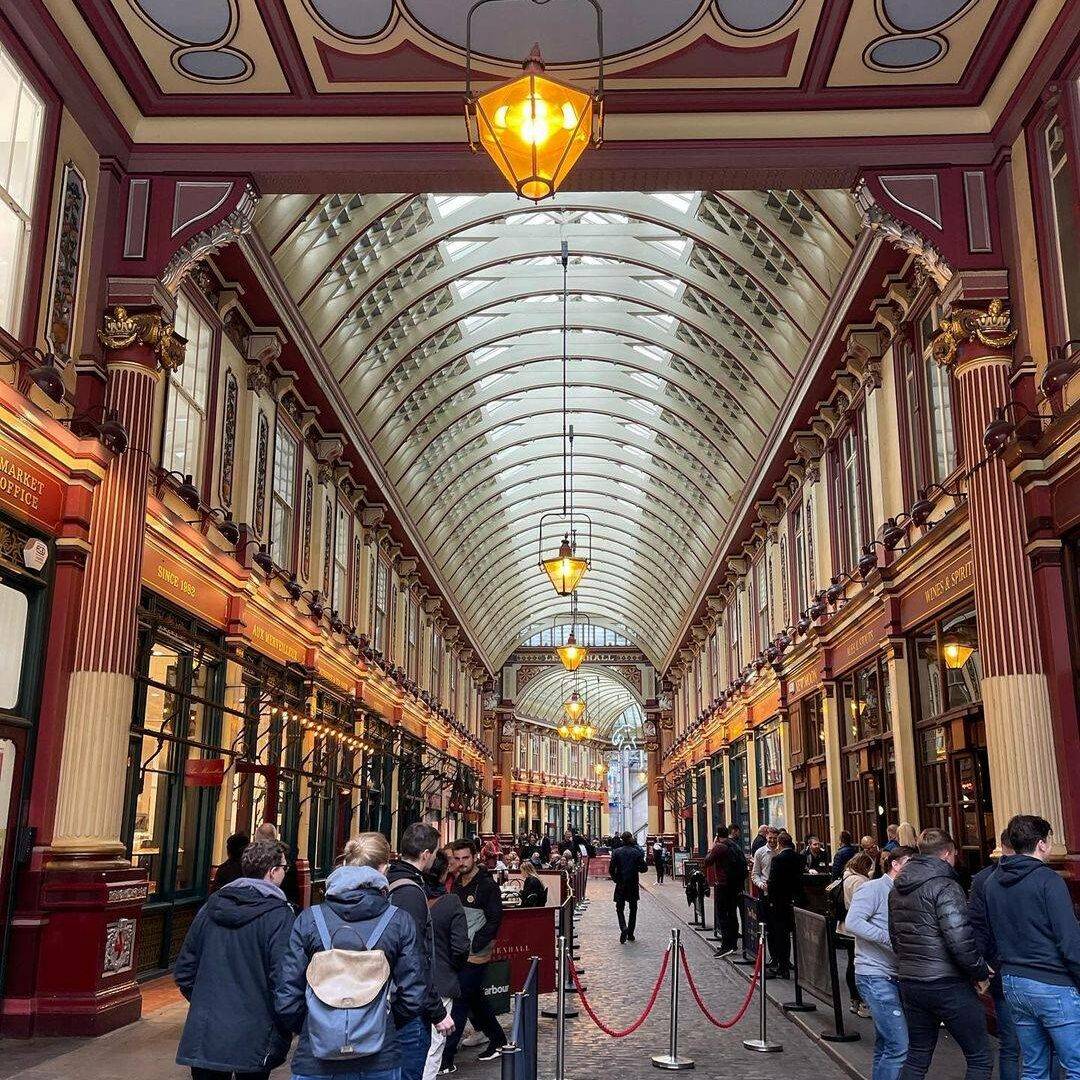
{"x": 151, "y": 329}
{"x": 991, "y": 328}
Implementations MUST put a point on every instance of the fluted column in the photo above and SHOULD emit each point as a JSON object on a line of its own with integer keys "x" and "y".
{"x": 834, "y": 763}
{"x": 1016, "y": 700}
{"x": 90, "y": 802}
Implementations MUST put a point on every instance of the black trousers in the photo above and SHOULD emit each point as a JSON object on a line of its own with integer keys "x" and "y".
{"x": 955, "y": 1004}
{"x": 627, "y": 924}
{"x": 213, "y": 1074}
{"x": 659, "y": 873}
{"x": 781, "y": 923}
{"x": 472, "y": 1004}
{"x": 727, "y": 906}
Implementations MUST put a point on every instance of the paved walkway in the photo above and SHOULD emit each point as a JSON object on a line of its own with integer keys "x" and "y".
{"x": 618, "y": 979}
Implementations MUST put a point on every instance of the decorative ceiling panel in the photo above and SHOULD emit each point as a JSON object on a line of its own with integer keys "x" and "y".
{"x": 687, "y": 313}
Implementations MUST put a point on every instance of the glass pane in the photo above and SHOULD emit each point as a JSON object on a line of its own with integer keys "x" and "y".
{"x": 960, "y": 636}
{"x": 9, "y": 107}
{"x": 928, "y": 672}
{"x": 1063, "y": 184}
{"x": 12, "y": 234}
{"x": 24, "y": 151}
{"x": 13, "y": 612}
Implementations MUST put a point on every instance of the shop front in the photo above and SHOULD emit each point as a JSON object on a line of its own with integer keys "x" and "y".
{"x": 768, "y": 756}
{"x": 808, "y": 764}
{"x": 717, "y": 772}
{"x": 738, "y": 786}
{"x": 948, "y": 727}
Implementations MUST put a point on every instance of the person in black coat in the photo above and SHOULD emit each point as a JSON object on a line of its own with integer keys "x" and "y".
{"x": 231, "y": 869}
{"x": 545, "y": 849}
{"x": 785, "y": 890}
{"x": 355, "y": 901}
{"x": 533, "y": 891}
{"x": 625, "y": 869}
{"x": 230, "y": 969}
{"x": 938, "y": 959}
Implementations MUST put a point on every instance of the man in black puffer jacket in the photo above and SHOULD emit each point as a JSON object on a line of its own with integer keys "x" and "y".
{"x": 938, "y": 959}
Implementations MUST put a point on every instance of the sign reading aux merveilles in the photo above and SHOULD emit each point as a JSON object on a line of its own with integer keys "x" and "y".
{"x": 496, "y": 985}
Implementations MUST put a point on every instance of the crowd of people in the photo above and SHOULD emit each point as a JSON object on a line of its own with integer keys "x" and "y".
{"x": 377, "y": 982}
{"x": 922, "y": 950}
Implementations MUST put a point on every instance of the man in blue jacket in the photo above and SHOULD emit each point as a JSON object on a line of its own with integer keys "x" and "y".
{"x": 1038, "y": 940}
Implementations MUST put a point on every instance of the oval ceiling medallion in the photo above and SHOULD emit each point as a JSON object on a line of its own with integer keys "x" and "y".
{"x": 921, "y": 16}
{"x": 755, "y": 16}
{"x": 565, "y": 29}
{"x": 214, "y": 65}
{"x": 193, "y": 22}
{"x": 904, "y": 53}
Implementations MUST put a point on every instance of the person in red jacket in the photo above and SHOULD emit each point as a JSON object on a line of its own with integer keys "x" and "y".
{"x": 718, "y": 876}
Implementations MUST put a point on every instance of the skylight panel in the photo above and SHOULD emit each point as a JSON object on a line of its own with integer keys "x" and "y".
{"x": 633, "y": 470}
{"x": 646, "y": 378}
{"x": 467, "y": 286}
{"x": 458, "y": 249}
{"x": 668, "y": 286}
{"x": 678, "y": 200}
{"x": 636, "y": 451}
{"x": 451, "y": 204}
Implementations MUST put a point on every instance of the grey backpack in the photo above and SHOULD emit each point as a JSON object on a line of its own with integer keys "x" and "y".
{"x": 348, "y": 993}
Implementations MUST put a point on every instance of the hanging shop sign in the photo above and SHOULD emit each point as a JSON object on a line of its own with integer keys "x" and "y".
{"x": 28, "y": 491}
{"x": 938, "y": 590}
{"x": 183, "y": 585}
{"x": 803, "y": 682}
{"x": 204, "y": 772}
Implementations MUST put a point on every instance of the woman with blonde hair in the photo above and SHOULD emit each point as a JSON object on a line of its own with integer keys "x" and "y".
{"x": 354, "y": 907}
{"x": 533, "y": 891}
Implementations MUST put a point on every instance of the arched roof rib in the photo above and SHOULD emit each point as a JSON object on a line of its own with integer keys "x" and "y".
{"x": 688, "y": 313}
{"x": 607, "y": 696}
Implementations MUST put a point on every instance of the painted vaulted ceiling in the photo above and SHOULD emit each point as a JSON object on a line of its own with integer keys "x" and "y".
{"x": 441, "y": 319}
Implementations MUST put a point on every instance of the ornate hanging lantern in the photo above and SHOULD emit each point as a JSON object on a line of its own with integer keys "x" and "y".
{"x": 534, "y": 127}
{"x": 955, "y": 650}
{"x": 571, "y": 653}
{"x": 574, "y": 707}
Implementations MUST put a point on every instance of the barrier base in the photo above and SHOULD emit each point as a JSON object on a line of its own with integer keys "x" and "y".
{"x": 849, "y": 1036}
{"x": 672, "y": 1064}
{"x": 571, "y": 1013}
{"x": 762, "y": 1046}
{"x": 798, "y": 1006}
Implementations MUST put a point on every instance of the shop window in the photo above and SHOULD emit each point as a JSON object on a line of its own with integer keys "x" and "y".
{"x": 22, "y": 114}
{"x": 866, "y": 704}
{"x": 283, "y": 498}
{"x": 1066, "y": 239}
{"x": 947, "y": 664}
{"x": 14, "y": 610}
{"x": 187, "y": 394}
{"x": 770, "y": 776}
{"x": 812, "y": 717}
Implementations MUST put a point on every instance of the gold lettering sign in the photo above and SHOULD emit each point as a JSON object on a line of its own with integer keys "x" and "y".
{"x": 268, "y": 639}
{"x": 169, "y": 577}
{"x": 857, "y": 644}
{"x": 948, "y": 583}
{"x": 805, "y": 680}
{"x": 32, "y": 494}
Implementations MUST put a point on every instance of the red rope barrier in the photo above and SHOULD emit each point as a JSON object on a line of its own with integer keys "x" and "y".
{"x": 640, "y": 1020}
{"x": 725, "y": 1024}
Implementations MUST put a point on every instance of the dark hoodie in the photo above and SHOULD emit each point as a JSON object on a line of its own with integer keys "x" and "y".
{"x": 451, "y": 933}
{"x": 356, "y": 895}
{"x": 929, "y": 927}
{"x": 408, "y": 892}
{"x": 229, "y": 968}
{"x": 1032, "y": 920}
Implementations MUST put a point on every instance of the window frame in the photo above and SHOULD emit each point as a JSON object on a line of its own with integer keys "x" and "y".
{"x": 341, "y": 557}
{"x": 849, "y": 476}
{"x": 289, "y": 560}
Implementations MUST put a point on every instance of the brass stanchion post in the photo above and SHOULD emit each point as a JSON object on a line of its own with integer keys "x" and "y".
{"x": 671, "y": 1059}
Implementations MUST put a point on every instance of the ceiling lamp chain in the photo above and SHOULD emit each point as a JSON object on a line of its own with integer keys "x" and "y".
{"x": 534, "y": 127}
{"x": 566, "y": 569}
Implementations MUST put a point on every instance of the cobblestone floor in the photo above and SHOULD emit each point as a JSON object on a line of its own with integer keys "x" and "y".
{"x": 617, "y": 977}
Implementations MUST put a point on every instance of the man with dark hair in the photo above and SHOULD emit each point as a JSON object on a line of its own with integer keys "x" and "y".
{"x": 229, "y": 967}
{"x": 1037, "y": 937}
{"x": 815, "y": 857}
{"x": 938, "y": 959}
{"x": 230, "y": 869}
{"x": 1008, "y": 1041}
{"x": 408, "y": 891}
{"x": 784, "y": 889}
{"x": 482, "y": 900}
{"x": 844, "y": 852}
{"x": 867, "y": 921}
{"x": 625, "y": 869}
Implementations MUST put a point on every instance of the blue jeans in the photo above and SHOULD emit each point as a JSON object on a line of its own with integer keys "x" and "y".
{"x": 1009, "y": 1044}
{"x": 414, "y": 1041}
{"x": 882, "y": 996}
{"x": 357, "y": 1074}
{"x": 1047, "y": 1021}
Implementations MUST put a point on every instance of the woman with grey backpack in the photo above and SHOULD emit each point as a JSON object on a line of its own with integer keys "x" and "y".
{"x": 344, "y": 957}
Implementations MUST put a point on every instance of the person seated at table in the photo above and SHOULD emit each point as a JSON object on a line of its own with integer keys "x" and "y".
{"x": 533, "y": 891}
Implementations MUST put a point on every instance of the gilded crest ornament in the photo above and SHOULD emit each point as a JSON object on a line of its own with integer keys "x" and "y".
{"x": 122, "y": 329}
{"x": 990, "y": 328}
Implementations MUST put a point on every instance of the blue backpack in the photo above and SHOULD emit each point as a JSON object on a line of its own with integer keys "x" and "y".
{"x": 348, "y": 993}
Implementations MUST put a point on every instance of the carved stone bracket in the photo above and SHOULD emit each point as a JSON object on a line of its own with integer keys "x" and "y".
{"x": 211, "y": 240}
{"x": 990, "y": 328}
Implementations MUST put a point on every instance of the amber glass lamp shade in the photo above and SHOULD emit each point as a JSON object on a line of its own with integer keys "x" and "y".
{"x": 534, "y": 129}
{"x": 574, "y": 707}
{"x": 600, "y": 768}
{"x": 571, "y": 653}
{"x": 564, "y": 731}
{"x": 566, "y": 569}
{"x": 955, "y": 651}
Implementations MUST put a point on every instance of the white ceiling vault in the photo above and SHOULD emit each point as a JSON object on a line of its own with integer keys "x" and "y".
{"x": 611, "y": 705}
{"x": 441, "y": 318}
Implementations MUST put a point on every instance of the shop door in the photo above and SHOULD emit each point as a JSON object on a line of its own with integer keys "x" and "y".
{"x": 974, "y": 810}
{"x": 21, "y": 648}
